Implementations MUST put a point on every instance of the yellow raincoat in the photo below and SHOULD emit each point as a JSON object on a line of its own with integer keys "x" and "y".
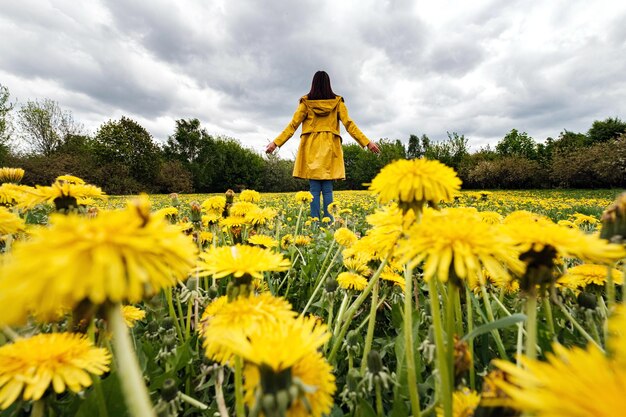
{"x": 320, "y": 155}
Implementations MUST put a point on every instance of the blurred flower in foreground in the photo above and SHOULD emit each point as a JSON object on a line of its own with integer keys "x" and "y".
{"x": 120, "y": 256}
{"x": 586, "y": 274}
{"x": 415, "y": 181}
{"x": 28, "y": 367}
{"x": 10, "y": 223}
{"x": 12, "y": 175}
{"x": 572, "y": 382}
{"x": 614, "y": 220}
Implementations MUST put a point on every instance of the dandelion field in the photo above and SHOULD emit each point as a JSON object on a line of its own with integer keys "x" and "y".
{"x": 416, "y": 298}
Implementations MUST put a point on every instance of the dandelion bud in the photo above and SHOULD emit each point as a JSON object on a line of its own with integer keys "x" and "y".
{"x": 196, "y": 212}
{"x": 230, "y": 196}
{"x": 167, "y": 323}
{"x": 213, "y": 292}
{"x": 170, "y": 390}
{"x": 169, "y": 340}
{"x": 374, "y": 363}
{"x": 331, "y": 285}
{"x": 587, "y": 300}
{"x": 175, "y": 200}
{"x": 614, "y": 220}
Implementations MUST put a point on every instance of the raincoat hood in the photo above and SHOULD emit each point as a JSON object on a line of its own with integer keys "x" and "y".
{"x": 321, "y": 107}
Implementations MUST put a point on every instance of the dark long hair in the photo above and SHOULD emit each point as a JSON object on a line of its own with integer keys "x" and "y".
{"x": 320, "y": 87}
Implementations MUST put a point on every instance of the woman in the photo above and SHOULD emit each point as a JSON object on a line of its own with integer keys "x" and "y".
{"x": 320, "y": 155}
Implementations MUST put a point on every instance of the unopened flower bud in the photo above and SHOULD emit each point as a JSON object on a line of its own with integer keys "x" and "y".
{"x": 169, "y": 391}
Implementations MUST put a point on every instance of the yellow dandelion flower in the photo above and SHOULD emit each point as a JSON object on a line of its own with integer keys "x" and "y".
{"x": 458, "y": 242}
{"x": 250, "y": 196}
{"x": 260, "y": 216}
{"x": 10, "y": 223}
{"x": 132, "y": 315}
{"x": 333, "y": 208}
{"x": 233, "y": 221}
{"x": 245, "y": 315}
{"x": 568, "y": 243}
{"x": 303, "y": 197}
{"x": 59, "y": 190}
{"x": 206, "y": 237}
{"x": 491, "y": 217}
{"x": 582, "y": 275}
{"x": 351, "y": 281}
{"x": 240, "y": 260}
{"x": 119, "y": 256}
{"x": 11, "y": 175}
{"x": 388, "y": 225}
{"x": 345, "y": 237}
{"x": 416, "y": 180}
{"x": 617, "y": 336}
{"x": 61, "y": 361}
{"x": 263, "y": 240}
{"x": 10, "y": 194}
{"x": 165, "y": 213}
{"x": 303, "y": 335}
{"x": 241, "y": 208}
{"x": 525, "y": 216}
{"x": 286, "y": 241}
{"x": 356, "y": 264}
{"x": 390, "y": 275}
{"x": 302, "y": 240}
{"x": 314, "y": 373}
{"x": 583, "y": 219}
{"x": 575, "y": 382}
{"x": 566, "y": 223}
{"x": 464, "y": 403}
{"x": 69, "y": 179}
{"x": 211, "y": 218}
{"x": 215, "y": 204}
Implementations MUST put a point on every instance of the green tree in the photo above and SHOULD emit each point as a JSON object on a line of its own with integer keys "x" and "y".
{"x": 517, "y": 144}
{"x": 5, "y": 122}
{"x": 605, "y": 130}
{"x": 126, "y": 146}
{"x": 414, "y": 149}
{"x": 44, "y": 125}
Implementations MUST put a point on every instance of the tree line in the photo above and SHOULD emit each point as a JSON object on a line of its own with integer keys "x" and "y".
{"x": 122, "y": 157}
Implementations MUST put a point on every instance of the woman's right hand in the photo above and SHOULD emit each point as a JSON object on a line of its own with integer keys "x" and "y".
{"x": 270, "y": 147}
{"x": 373, "y": 147}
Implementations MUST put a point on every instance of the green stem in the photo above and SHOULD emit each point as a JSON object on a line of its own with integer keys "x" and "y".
{"x": 470, "y": 342}
{"x": 321, "y": 282}
{"x": 442, "y": 364}
{"x": 531, "y": 326}
{"x": 193, "y": 402}
{"x": 458, "y": 313}
{"x": 331, "y": 312}
{"x": 131, "y": 377}
{"x": 39, "y": 409}
{"x": 352, "y": 311}
{"x": 592, "y": 325}
{"x": 170, "y": 305}
{"x": 578, "y": 327}
{"x": 495, "y": 333}
{"x": 299, "y": 218}
{"x": 342, "y": 309}
{"x": 450, "y": 324}
{"x": 239, "y": 406}
{"x": 610, "y": 288}
{"x": 189, "y": 317}
{"x": 369, "y": 337}
{"x": 379, "y": 399}
{"x": 102, "y": 406}
{"x": 409, "y": 353}
{"x": 548, "y": 313}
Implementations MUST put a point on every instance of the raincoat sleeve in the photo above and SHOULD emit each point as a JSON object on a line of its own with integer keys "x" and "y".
{"x": 298, "y": 117}
{"x": 350, "y": 126}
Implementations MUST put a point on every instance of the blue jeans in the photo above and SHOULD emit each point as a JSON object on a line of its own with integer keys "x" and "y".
{"x": 325, "y": 187}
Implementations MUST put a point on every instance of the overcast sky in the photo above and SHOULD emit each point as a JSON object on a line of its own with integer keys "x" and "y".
{"x": 479, "y": 68}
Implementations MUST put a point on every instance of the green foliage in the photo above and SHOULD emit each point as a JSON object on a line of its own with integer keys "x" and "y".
{"x": 44, "y": 125}
{"x": 125, "y": 143}
{"x": 605, "y": 130}
{"x": 517, "y": 144}
{"x": 5, "y": 123}
{"x": 362, "y": 166}
{"x": 507, "y": 172}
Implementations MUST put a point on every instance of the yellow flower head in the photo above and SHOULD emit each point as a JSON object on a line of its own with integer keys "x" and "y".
{"x": 233, "y": 221}
{"x": 211, "y": 218}
{"x": 132, "y": 315}
{"x": 464, "y": 403}
{"x": 582, "y": 275}
{"x": 244, "y": 315}
{"x": 263, "y": 240}
{"x": 583, "y": 219}
{"x": 240, "y": 260}
{"x": 250, "y": 196}
{"x": 303, "y": 197}
{"x": 241, "y": 208}
{"x": 351, "y": 281}
{"x": 214, "y": 204}
{"x": 61, "y": 361}
{"x": 12, "y": 175}
{"x": 260, "y": 216}
{"x": 389, "y": 274}
{"x": 60, "y": 189}
{"x": 120, "y": 256}
{"x": 286, "y": 241}
{"x": 345, "y": 237}
{"x": 491, "y": 217}
{"x": 165, "y": 213}
{"x": 302, "y": 240}
{"x": 11, "y": 194}
{"x": 416, "y": 180}
{"x": 9, "y": 222}
{"x": 457, "y": 241}
{"x": 69, "y": 179}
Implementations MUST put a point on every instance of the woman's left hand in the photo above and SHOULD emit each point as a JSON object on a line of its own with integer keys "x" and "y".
{"x": 373, "y": 147}
{"x": 270, "y": 147}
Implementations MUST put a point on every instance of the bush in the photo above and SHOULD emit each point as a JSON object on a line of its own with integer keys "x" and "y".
{"x": 509, "y": 172}
{"x": 174, "y": 178}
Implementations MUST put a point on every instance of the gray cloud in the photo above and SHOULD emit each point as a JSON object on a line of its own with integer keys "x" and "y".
{"x": 404, "y": 67}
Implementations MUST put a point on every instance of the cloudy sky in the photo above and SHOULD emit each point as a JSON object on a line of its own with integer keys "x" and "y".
{"x": 479, "y": 68}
